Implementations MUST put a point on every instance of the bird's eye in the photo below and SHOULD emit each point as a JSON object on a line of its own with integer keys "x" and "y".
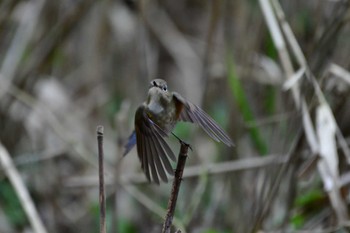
{"x": 164, "y": 88}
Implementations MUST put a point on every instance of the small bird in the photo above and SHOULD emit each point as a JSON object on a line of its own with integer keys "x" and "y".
{"x": 155, "y": 119}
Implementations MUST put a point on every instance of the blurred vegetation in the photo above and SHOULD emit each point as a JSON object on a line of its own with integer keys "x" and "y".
{"x": 68, "y": 66}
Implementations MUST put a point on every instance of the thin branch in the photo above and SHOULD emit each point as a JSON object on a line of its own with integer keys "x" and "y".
{"x": 102, "y": 199}
{"x": 21, "y": 190}
{"x": 176, "y": 187}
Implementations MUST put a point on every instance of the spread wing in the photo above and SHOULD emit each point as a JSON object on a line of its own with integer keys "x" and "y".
{"x": 192, "y": 113}
{"x": 152, "y": 149}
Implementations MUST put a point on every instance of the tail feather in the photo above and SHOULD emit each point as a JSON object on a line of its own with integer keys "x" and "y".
{"x": 130, "y": 144}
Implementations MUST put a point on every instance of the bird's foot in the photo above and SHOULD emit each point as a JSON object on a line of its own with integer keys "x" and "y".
{"x": 182, "y": 142}
{"x": 185, "y": 144}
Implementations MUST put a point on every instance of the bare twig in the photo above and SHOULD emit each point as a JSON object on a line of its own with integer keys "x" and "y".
{"x": 102, "y": 199}
{"x": 21, "y": 190}
{"x": 176, "y": 187}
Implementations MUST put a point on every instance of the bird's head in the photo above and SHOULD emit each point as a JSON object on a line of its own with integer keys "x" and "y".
{"x": 159, "y": 83}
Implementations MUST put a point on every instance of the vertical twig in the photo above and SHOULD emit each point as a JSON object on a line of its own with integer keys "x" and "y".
{"x": 102, "y": 201}
{"x": 176, "y": 187}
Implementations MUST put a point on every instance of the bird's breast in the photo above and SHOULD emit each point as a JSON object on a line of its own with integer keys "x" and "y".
{"x": 163, "y": 115}
{"x": 155, "y": 107}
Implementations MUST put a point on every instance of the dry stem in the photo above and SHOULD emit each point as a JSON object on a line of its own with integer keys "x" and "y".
{"x": 102, "y": 199}
{"x": 176, "y": 187}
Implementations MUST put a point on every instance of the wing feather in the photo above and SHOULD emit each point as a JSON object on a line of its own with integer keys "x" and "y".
{"x": 192, "y": 113}
{"x": 204, "y": 125}
{"x": 158, "y": 153}
{"x": 150, "y": 157}
{"x": 164, "y": 154}
{"x": 158, "y": 132}
{"x": 150, "y": 146}
{"x": 214, "y": 127}
{"x": 141, "y": 150}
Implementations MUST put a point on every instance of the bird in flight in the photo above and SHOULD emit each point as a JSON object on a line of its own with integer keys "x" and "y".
{"x": 155, "y": 119}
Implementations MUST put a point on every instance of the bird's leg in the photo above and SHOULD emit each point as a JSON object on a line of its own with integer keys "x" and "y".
{"x": 182, "y": 142}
